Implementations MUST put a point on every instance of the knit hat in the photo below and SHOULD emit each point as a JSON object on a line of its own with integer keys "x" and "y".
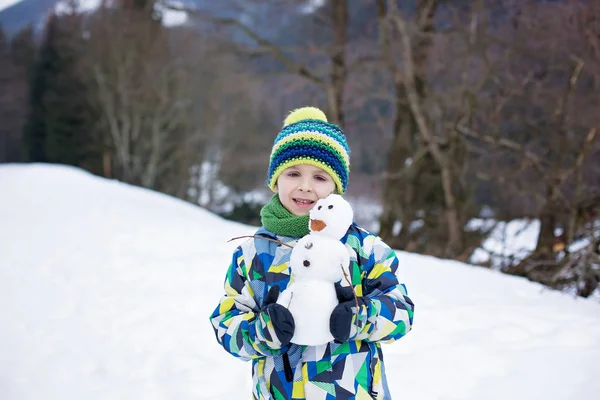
{"x": 307, "y": 138}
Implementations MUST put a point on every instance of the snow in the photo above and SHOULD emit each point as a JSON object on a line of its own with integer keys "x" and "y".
{"x": 508, "y": 242}
{"x": 7, "y": 3}
{"x": 106, "y": 289}
{"x": 312, "y": 6}
{"x": 66, "y": 6}
{"x": 172, "y": 17}
{"x": 169, "y": 17}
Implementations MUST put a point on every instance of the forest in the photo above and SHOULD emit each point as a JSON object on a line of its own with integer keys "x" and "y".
{"x": 455, "y": 111}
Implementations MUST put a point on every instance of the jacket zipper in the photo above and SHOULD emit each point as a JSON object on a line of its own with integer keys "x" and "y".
{"x": 287, "y": 368}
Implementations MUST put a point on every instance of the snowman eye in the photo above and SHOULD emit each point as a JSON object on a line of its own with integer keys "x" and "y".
{"x": 330, "y": 207}
{"x": 318, "y": 208}
{"x": 306, "y": 263}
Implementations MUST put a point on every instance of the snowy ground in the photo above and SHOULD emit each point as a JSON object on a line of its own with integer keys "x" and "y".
{"x": 105, "y": 292}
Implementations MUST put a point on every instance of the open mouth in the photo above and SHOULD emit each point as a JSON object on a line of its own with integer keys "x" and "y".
{"x": 303, "y": 202}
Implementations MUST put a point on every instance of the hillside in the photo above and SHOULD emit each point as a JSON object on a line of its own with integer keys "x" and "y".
{"x": 106, "y": 289}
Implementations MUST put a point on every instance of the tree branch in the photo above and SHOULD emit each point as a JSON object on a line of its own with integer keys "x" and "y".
{"x": 414, "y": 101}
{"x": 275, "y": 50}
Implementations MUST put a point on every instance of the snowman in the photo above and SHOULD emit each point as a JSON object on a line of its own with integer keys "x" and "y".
{"x": 318, "y": 261}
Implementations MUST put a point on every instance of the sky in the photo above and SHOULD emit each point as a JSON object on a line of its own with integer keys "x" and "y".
{"x": 106, "y": 289}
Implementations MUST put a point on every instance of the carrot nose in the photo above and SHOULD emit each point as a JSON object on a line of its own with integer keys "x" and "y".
{"x": 317, "y": 225}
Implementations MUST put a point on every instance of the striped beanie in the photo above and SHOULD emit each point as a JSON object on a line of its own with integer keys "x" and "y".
{"x": 307, "y": 138}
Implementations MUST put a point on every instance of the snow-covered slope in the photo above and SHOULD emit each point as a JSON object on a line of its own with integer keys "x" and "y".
{"x": 7, "y": 3}
{"x": 105, "y": 292}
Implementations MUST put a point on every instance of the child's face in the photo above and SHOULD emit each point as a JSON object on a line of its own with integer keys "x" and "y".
{"x": 299, "y": 187}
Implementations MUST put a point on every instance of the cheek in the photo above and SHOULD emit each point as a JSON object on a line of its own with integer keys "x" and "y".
{"x": 285, "y": 187}
{"x": 281, "y": 184}
{"x": 326, "y": 189}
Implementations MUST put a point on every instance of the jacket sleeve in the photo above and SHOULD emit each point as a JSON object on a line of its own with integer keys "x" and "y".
{"x": 239, "y": 325}
{"x": 386, "y": 311}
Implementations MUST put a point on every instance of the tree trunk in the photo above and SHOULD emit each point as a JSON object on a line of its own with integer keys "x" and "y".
{"x": 543, "y": 252}
{"x": 335, "y": 93}
{"x": 546, "y": 237}
{"x": 106, "y": 163}
{"x": 399, "y": 188}
{"x": 396, "y": 185}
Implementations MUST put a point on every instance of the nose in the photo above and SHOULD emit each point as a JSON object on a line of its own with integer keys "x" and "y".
{"x": 305, "y": 185}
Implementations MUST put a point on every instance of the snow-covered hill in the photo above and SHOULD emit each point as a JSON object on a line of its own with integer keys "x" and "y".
{"x": 105, "y": 292}
{"x": 7, "y": 3}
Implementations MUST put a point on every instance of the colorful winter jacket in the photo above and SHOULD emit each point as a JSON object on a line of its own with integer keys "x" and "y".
{"x": 351, "y": 370}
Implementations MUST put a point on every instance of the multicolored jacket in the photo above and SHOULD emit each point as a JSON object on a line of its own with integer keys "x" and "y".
{"x": 351, "y": 370}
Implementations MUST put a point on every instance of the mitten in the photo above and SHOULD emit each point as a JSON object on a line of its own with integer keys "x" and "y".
{"x": 344, "y": 315}
{"x": 344, "y": 293}
{"x": 277, "y": 318}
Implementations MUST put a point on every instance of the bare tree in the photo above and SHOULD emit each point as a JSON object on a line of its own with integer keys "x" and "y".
{"x": 406, "y": 50}
{"x": 143, "y": 93}
{"x": 332, "y": 84}
{"x": 547, "y": 99}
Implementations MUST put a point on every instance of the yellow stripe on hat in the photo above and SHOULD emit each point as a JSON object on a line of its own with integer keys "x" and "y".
{"x": 299, "y": 161}
{"x": 316, "y": 136}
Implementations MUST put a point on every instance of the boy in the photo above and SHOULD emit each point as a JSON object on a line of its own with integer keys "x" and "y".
{"x": 309, "y": 161}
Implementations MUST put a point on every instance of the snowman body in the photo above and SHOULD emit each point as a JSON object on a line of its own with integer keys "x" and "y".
{"x": 316, "y": 264}
{"x": 318, "y": 261}
{"x": 311, "y": 306}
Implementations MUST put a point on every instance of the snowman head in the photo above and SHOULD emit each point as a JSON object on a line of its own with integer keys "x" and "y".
{"x": 319, "y": 258}
{"x": 331, "y": 216}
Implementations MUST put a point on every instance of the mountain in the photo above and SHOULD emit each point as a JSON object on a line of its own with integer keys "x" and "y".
{"x": 18, "y": 15}
{"x": 106, "y": 290}
{"x": 25, "y": 12}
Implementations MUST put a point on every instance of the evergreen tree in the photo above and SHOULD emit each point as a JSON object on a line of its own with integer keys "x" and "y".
{"x": 5, "y": 76}
{"x": 35, "y": 130}
{"x": 16, "y": 55}
{"x": 3, "y": 41}
{"x": 22, "y": 49}
{"x": 58, "y": 129}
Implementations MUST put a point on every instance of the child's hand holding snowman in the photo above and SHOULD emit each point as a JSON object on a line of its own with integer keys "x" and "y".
{"x": 343, "y": 322}
{"x": 275, "y": 322}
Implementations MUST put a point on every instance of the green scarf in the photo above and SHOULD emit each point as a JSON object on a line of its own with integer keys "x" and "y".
{"x": 277, "y": 219}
